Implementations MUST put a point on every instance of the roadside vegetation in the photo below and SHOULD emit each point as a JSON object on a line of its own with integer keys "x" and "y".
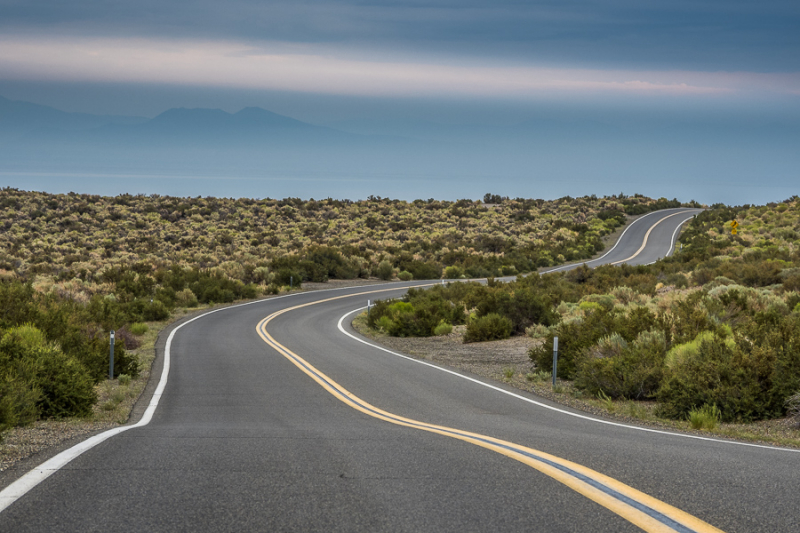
{"x": 710, "y": 335}
{"x": 74, "y": 266}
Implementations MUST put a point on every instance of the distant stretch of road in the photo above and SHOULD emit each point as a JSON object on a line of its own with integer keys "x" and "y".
{"x": 644, "y": 241}
{"x": 277, "y": 416}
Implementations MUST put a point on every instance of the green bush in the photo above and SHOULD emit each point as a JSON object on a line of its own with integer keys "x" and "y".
{"x": 453, "y": 272}
{"x": 186, "y": 298}
{"x": 138, "y": 328}
{"x": 793, "y": 409}
{"x": 19, "y": 401}
{"x": 385, "y": 324}
{"x": 715, "y": 372}
{"x": 285, "y": 277}
{"x": 421, "y": 269}
{"x": 155, "y": 311}
{"x": 59, "y": 383}
{"x": 385, "y": 271}
{"x": 405, "y": 275}
{"x": 706, "y": 417}
{"x": 487, "y": 328}
{"x": 443, "y": 328}
{"x": 620, "y": 369}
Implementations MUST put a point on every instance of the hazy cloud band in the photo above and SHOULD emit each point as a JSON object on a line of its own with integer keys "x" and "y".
{"x": 306, "y": 69}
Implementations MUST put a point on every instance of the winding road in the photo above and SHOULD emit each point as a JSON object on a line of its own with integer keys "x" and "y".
{"x": 276, "y": 416}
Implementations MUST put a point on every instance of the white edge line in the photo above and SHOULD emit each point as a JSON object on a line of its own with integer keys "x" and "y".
{"x": 619, "y": 239}
{"x": 550, "y": 407}
{"x": 675, "y": 234}
{"x": 28, "y": 481}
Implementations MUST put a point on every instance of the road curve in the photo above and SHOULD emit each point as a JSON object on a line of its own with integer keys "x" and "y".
{"x": 244, "y": 440}
{"x": 645, "y": 240}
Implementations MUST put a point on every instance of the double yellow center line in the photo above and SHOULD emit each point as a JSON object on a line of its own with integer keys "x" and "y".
{"x": 637, "y": 507}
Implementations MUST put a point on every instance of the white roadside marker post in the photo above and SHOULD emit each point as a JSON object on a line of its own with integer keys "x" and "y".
{"x": 555, "y": 359}
{"x": 111, "y": 356}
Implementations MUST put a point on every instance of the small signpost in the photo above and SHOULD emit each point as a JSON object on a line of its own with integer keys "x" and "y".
{"x": 555, "y": 359}
{"x": 734, "y": 225}
{"x": 111, "y": 357}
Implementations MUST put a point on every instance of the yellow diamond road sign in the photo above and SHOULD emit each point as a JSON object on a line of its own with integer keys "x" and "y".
{"x": 734, "y": 225}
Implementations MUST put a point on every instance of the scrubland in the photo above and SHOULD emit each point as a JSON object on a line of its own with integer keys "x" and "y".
{"x": 709, "y": 335}
{"x": 75, "y": 266}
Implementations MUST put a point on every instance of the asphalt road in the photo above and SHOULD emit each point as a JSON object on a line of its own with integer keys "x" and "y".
{"x": 244, "y": 439}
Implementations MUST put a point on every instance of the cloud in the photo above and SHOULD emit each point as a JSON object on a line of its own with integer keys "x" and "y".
{"x": 631, "y": 34}
{"x": 328, "y": 70}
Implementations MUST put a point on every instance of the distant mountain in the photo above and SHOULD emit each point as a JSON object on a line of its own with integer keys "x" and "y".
{"x": 248, "y": 126}
{"x": 19, "y": 118}
{"x": 32, "y": 125}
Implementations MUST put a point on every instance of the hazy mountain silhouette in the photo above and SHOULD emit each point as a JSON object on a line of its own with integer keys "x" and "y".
{"x": 254, "y": 144}
{"x": 19, "y": 118}
{"x": 177, "y": 128}
{"x": 251, "y": 125}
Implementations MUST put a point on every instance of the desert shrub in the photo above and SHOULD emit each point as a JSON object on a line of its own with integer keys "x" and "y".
{"x": 405, "y": 275}
{"x": 573, "y": 338}
{"x": 286, "y": 276}
{"x": 67, "y": 388}
{"x": 602, "y": 300}
{"x": 715, "y": 372}
{"x": 793, "y": 409}
{"x": 60, "y": 383}
{"x": 536, "y": 331}
{"x": 186, "y": 298}
{"x": 421, "y": 269}
{"x": 18, "y": 401}
{"x": 523, "y": 304}
{"x": 385, "y": 271}
{"x": 486, "y": 328}
{"x": 262, "y": 274}
{"x": 705, "y": 417}
{"x": 443, "y": 328}
{"x": 406, "y": 323}
{"x": 620, "y": 369}
{"x": 152, "y": 311}
{"x": 624, "y": 294}
{"x": 138, "y": 328}
{"x": 332, "y": 262}
{"x": 453, "y": 272}
{"x": 401, "y": 319}
{"x": 384, "y": 323}
{"x": 127, "y": 338}
{"x": 792, "y": 282}
{"x": 776, "y": 338}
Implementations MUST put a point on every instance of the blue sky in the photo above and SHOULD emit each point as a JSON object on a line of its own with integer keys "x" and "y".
{"x": 456, "y": 62}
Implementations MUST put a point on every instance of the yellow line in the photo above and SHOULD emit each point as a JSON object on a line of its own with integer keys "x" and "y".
{"x": 646, "y": 235}
{"x": 621, "y": 508}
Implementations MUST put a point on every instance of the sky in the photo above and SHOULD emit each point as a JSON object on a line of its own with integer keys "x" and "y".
{"x": 450, "y": 62}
